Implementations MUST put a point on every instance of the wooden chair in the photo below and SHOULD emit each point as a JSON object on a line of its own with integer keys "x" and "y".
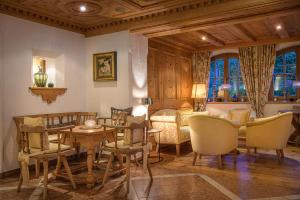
{"x": 83, "y": 116}
{"x": 55, "y": 150}
{"x": 137, "y": 141}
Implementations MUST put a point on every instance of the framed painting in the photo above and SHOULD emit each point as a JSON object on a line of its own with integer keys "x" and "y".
{"x": 105, "y": 66}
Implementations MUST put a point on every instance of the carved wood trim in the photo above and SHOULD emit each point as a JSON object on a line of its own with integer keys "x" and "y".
{"x": 48, "y": 94}
{"x": 164, "y": 18}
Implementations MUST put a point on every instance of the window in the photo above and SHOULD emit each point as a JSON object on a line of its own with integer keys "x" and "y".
{"x": 285, "y": 73}
{"x": 224, "y": 70}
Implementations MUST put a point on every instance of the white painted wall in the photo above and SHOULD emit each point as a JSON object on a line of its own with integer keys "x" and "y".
{"x": 138, "y": 52}
{"x": 19, "y": 39}
{"x": 100, "y": 96}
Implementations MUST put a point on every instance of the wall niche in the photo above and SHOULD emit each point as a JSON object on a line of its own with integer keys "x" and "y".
{"x": 52, "y": 64}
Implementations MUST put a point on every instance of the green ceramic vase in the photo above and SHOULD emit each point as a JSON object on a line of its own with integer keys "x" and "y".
{"x": 40, "y": 78}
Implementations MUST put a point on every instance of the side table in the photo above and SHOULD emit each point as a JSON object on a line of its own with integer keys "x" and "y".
{"x": 153, "y": 132}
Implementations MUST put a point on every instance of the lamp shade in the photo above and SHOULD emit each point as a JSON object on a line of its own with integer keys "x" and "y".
{"x": 199, "y": 91}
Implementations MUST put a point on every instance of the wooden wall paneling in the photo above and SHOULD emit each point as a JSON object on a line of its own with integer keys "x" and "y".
{"x": 169, "y": 77}
{"x": 169, "y": 80}
{"x": 185, "y": 76}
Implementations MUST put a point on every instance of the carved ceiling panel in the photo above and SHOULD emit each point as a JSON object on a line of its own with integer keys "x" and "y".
{"x": 157, "y": 18}
{"x": 69, "y": 10}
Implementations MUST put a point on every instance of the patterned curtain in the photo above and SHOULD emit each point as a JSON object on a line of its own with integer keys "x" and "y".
{"x": 201, "y": 69}
{"x": 257, "y": 65}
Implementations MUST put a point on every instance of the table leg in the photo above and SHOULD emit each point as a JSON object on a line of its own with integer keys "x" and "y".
{"x": 90, "y": 180}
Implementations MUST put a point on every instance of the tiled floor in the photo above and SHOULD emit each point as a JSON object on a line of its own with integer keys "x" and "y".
{"x": 257, "y": 177}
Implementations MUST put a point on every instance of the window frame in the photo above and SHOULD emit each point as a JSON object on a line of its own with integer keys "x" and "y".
{"x": 271, "y": 91}
{"x": 225, "y": 57}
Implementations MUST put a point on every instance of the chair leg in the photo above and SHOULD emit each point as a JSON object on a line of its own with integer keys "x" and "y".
{"x": 151, "y": 179}
{"x": 99, "y": 152}
{"x": 107, "y": 168}
{"x": 58, "y": 166}
{"x": 195, "y": 158}
{"x": 20, "y": 182}
{"x": 282, "y": 154}
{"x": 37, "y": 168}
{"x": 220, "y": 161}
{"x": 136, "y": 161}
{"x": 157, "y": 148}
{"x": 255, "y": 150}
{"x": 235, "y": 153}
{"x": 278, "y": 155}
{"x": 127, "y": 173}
{"x": 177, "y": 149}
{"x": 67, "y": 168}
{"x": 45, "y": 165}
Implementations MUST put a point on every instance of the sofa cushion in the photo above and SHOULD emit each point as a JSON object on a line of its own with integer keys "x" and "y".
{"x": 35, "y": 138}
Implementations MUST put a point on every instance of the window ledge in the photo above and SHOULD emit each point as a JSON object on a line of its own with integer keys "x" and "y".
{"x": 227, "y": 102}
{"x": 270, "y": 102}
{"x": 282, "y": 102}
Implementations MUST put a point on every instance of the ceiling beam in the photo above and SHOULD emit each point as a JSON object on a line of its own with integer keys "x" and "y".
{"x": 275, "y": 21}
{"x": 172, "y": 44}
{"x": 270, "y": 40}
{"x": 177, "y": 43}
{"x": 157, "y": 31}
{"x": 209, "y": 38}
{"x": 239, "y": 31}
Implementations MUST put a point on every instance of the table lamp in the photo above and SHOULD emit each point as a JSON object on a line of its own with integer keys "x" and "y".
{"x": 199, "y": 93}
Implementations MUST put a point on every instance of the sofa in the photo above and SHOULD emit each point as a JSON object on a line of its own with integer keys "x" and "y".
{"x": 173, "y": 125}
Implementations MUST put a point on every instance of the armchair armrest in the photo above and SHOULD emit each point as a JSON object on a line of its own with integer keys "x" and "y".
{"x": 260, "y": 121}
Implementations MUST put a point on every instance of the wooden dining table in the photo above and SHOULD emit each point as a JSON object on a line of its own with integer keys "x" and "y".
{"x": 90, "y": 139}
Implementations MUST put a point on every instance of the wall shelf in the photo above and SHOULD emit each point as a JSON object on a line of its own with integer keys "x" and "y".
{"x": 48, "y": 94}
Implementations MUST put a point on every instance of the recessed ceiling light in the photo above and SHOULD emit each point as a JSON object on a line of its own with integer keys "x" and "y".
{"x": 278, "y": 27}
{"x": 82, "y": 8}
{"x": 203, "y": 38}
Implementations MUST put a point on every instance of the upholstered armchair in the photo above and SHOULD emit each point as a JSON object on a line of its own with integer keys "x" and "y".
{"x": 241, "y": 116}
{"x": 212, "y": 136}
{"x": 174, "y": 126}
{"x": 270, "y": 133}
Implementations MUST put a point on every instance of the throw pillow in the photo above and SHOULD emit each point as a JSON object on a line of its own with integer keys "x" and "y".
{"x": 118, "y": 116}
{"x": 35, "y": 138}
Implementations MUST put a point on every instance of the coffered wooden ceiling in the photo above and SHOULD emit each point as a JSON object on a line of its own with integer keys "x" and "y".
{"x": 242, "y": 34}
{"x": 223, "y": 22}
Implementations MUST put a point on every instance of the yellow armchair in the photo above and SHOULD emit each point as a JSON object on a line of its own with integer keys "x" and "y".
{"x": 212, "y": 136}
{"x": 270, "y": 133}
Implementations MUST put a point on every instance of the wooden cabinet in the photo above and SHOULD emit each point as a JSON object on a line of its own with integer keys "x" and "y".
{"x": 169, "y": 77}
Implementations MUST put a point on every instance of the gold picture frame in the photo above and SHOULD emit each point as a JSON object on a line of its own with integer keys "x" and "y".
{"x": 105, "y": 66}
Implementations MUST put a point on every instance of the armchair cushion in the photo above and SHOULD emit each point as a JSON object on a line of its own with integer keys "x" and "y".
{"x": 240, "y": 115}
{"x": 35, "y": 138}
{"x": 53, "y": 148}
